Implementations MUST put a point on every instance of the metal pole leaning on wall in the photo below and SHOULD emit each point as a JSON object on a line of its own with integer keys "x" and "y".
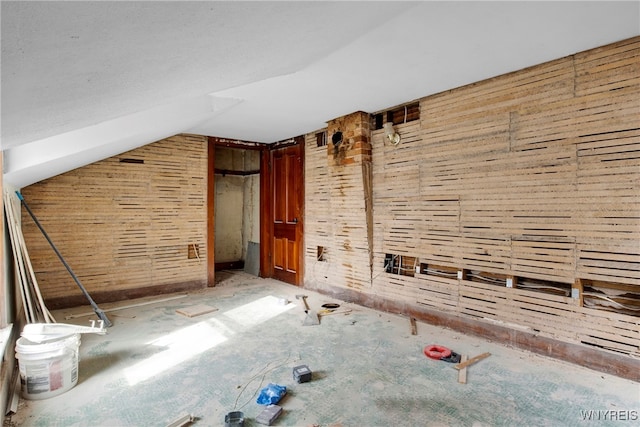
{"x": 101, "y": 315}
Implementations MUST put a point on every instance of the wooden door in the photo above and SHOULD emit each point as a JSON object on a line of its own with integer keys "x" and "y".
{"x": 287, "y": 180}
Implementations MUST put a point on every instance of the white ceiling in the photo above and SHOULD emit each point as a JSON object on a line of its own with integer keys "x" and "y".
{"x": 82, "y": 81}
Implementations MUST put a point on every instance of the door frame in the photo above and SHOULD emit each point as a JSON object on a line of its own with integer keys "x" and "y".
{"x": 212, "y": 143}
{"x": 266, "y": 208}
{"x": 211, "y": 212}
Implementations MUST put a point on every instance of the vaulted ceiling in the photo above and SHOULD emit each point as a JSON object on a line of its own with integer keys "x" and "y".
{"x": 82, "y": 81}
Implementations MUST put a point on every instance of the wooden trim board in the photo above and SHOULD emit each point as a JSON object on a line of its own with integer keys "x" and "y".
{"x": 196, "y": 310}
{"x": 463, "y": 365}
{"x": 462, "y": 373}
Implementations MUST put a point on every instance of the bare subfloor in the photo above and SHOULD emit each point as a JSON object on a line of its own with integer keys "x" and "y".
{"x": 155, "y": 366}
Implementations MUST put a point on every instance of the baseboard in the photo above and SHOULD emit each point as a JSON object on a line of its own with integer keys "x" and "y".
{"x": 123, "y": 294}
{"x": 578, "y": 354}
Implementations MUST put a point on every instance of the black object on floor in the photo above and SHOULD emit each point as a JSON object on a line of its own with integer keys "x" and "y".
{"x": 454, "y": 358}
{"x": 234, "y": 419}
{"x": 302, "y": 374}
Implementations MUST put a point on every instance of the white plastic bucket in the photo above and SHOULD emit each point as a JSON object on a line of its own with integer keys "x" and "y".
{"x": 47, "y": 369}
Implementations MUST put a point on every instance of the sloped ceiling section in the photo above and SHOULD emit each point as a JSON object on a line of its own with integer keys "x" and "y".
{"x": 82, "y": 81}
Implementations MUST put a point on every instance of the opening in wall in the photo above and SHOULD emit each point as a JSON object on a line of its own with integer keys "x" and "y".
{"x": 403, "y": 114}
{"x": 400, "y": 264}
{"x": 544, "y": 286}
{"x": 609, "y": 296}
{"x": 321, "y": 138}
{"x": 193, "y": 251}
{"x": 135, "y": 161}
{"x": 320, "y": 252}
{"x": 486, "y": 277}
{"x": 438, "y": 270}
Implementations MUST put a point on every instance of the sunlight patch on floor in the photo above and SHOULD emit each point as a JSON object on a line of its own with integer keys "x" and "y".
{"x": 258, "y": 311}
{"x": 178, "y": 347}
{"x": 182, "y": 345}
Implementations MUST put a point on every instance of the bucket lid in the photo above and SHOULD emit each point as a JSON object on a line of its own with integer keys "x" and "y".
{"x": 46, "y": 332}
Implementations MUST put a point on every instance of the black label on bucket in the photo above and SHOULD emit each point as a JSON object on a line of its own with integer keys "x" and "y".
{"x": 37, "y": 385}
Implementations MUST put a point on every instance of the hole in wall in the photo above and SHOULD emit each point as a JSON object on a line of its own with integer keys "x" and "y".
{"x": 321, "y": 139}
{"x": 400, "y": 264}
{"x": 320, "y": 252}
{"x": 193, "y": 251}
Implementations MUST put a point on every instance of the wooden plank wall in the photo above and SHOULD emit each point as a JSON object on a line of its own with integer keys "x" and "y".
{"x": 335, "y": 221}
{"x": 125, "y": 223}
{"x": 347, "y": 218}
{"x": 533, "y": 176}
{"x": 320, "y": 251}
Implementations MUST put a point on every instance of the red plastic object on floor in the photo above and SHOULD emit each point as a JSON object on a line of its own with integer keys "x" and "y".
{"x": 437, "y": 352}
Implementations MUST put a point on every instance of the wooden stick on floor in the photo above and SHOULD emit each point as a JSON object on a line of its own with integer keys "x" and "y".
{"x": 471, "y": 361}
{"x": 462, "y": 373}
{"x": 73, "y": 316}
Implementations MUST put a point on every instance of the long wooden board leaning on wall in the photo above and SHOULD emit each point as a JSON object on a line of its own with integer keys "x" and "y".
{"x": 130, "y": 225}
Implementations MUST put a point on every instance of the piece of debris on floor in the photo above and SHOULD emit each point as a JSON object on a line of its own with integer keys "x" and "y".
{"x": 185, "y": 420}
{"x": 471, "y": 361}
{"x": 328, "y": 312}
{"x": 196, "y": 310}
{"x": 124, "y": 307}
{"x": 269, "y": 415}
{"x": 462, "y": 373}
{"x": 302, "y": 374}
{"x": 414, "y": 327}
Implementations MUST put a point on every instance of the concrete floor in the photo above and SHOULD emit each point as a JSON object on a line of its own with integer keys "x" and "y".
{"x": 155, "y": 366}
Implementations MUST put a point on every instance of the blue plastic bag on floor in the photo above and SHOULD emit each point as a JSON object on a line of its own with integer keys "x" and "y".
{"x": 271, "y": 394}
